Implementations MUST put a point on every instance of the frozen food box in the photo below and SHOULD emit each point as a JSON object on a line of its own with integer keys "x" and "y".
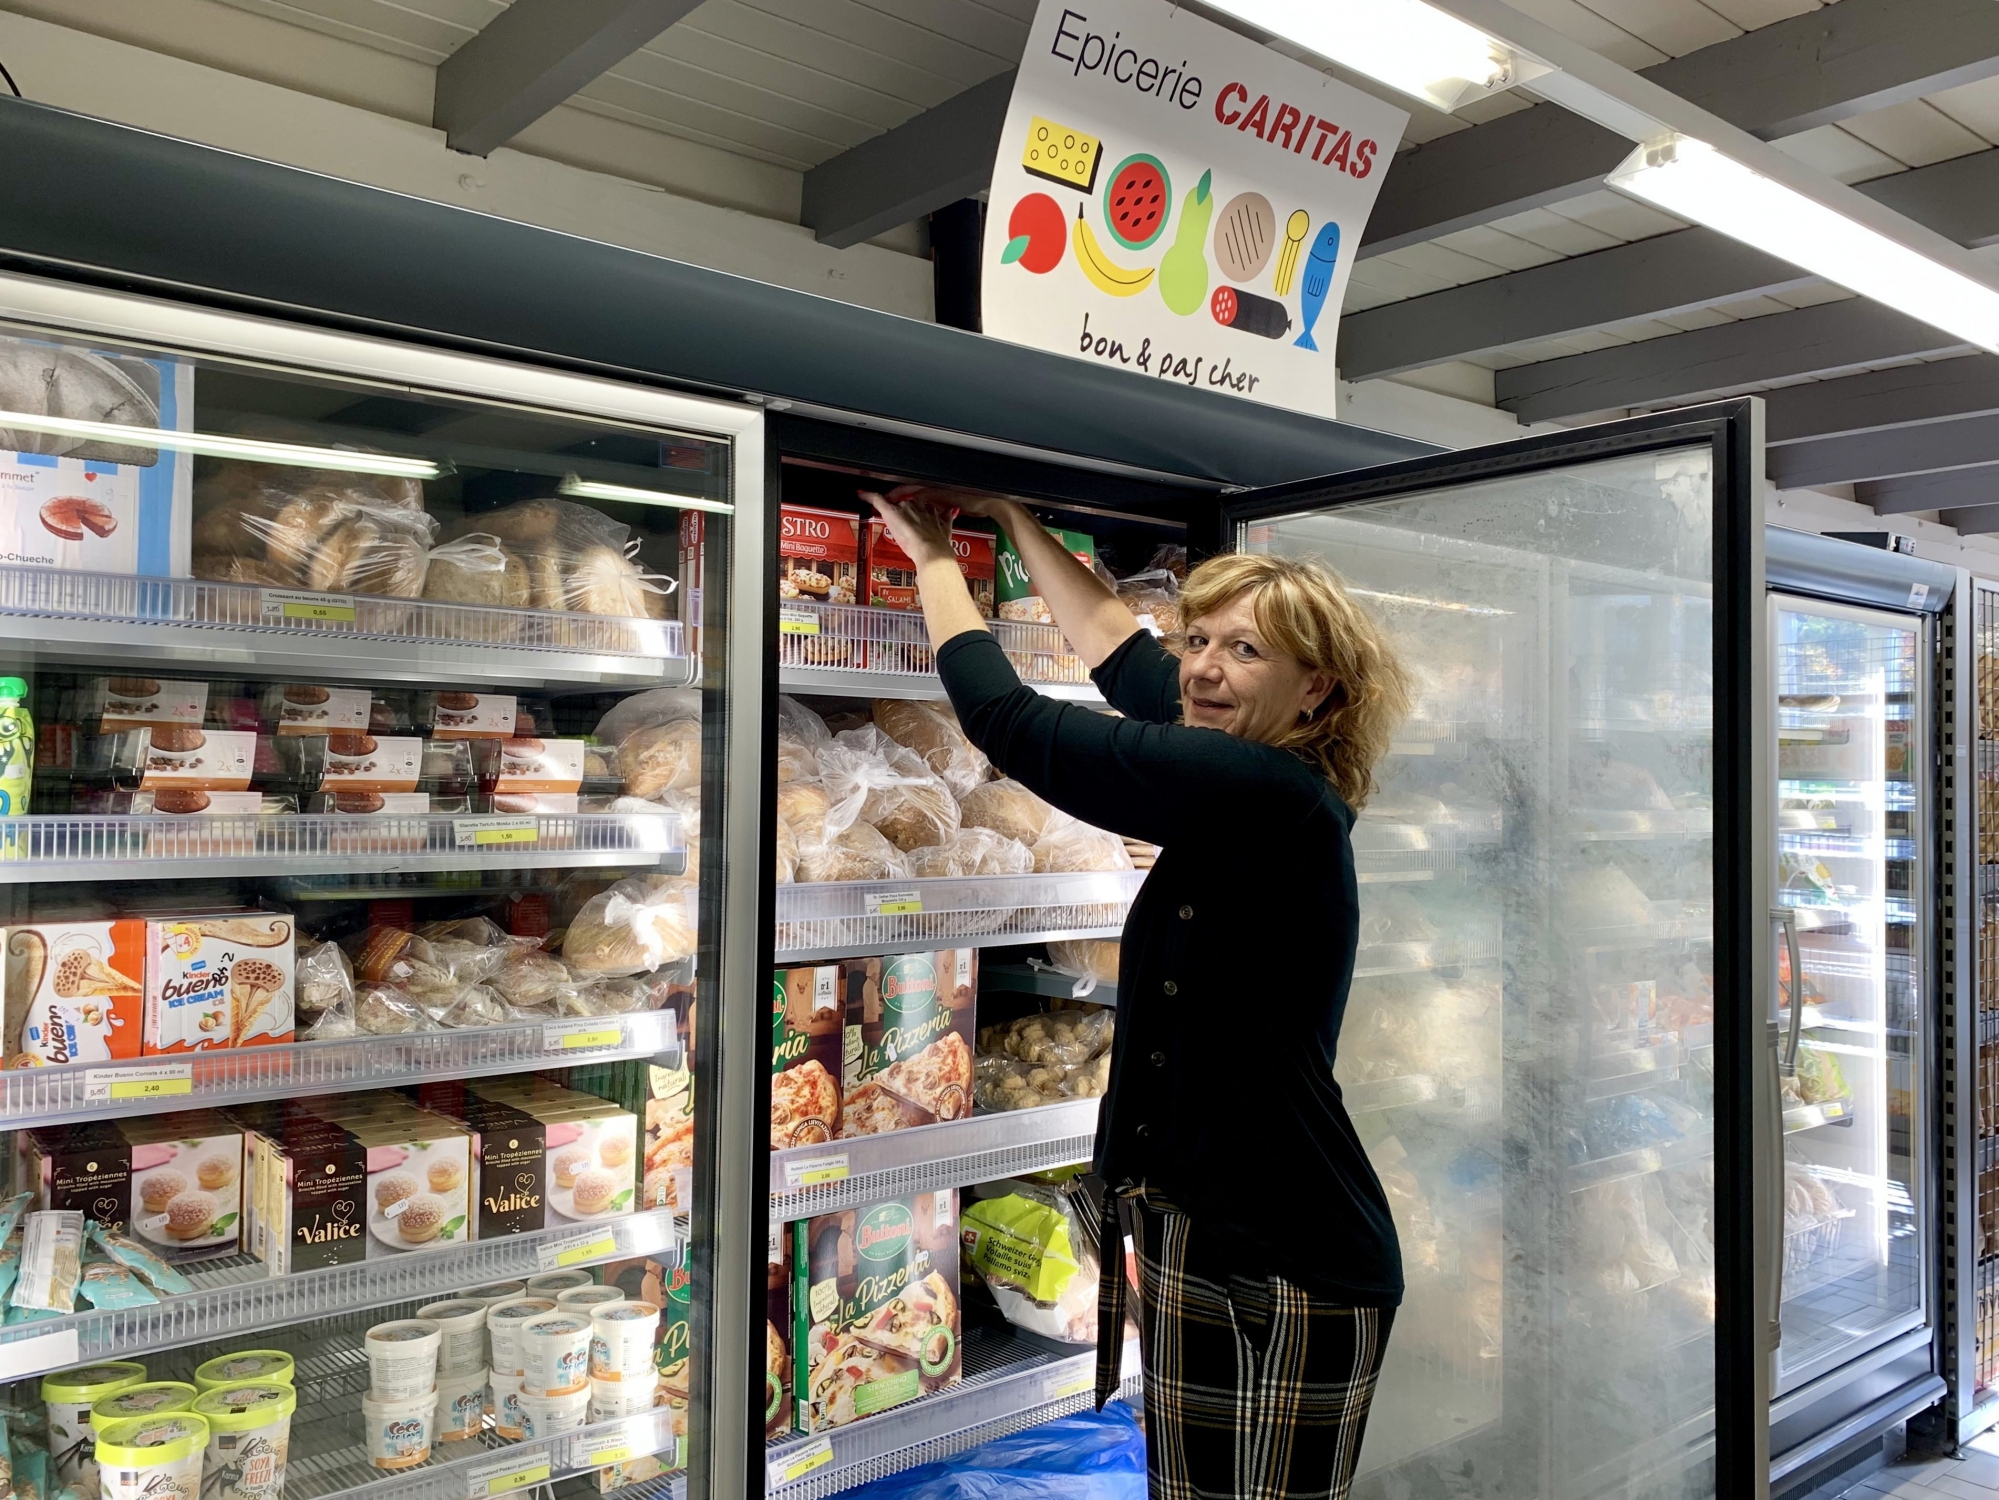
{"x": 669, "y": 1138}
{"x": 419, "y": 1177}
{"x": 91, "y": 504}
{"x": 190, "y": 757}
{"x": 590, "y": 1155}
{"x": 469, "y": 716}
{"x": 75, "y": 992}
{"x": 225, "y": 979}
{"x": 907, "y": 1059}
{"x": 537, "y": 765}
{"x": 298, "y": 708}
{"x": 309, "y": 1207}
{"x": 818, "y": 555}
{"x": 1015, "y": 591}
{"x": 86, "y": 1167}
{"x": 892, "y": 574}
{"x": 187, "y": 1181}
{"x": 875, "y": 1313}
{"x": 808, "y": 1012}
{"x": 372, "y": 763}
{"x": 118, "y": 704}
{"x": 777, "y": 1335}
{"x": 509, "y": 1160}
{"x": 693, "y": 542}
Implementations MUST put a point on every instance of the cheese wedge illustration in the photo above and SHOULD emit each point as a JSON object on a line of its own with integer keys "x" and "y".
{"x": 1062, "y": 155}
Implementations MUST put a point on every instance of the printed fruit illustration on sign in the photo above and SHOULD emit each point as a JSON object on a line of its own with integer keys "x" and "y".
{"x": 1183, "y": 274}
{"x": 1035, "y": 232}
{"x": 1137, "y": 201}
{"x": 1064, "y": 156}
{"x": 1105, "y": 274}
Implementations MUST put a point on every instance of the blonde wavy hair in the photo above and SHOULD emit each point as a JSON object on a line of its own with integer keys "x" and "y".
{"x": 1304, "y": 610}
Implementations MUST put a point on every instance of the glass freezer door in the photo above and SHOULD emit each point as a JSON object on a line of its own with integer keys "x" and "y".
{"x": 1851, "y": 720}
{"x": 1545, "y": 1045}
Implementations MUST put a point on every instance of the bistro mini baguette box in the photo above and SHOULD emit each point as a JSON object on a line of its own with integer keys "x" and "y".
{"x": 875, "y": 1310}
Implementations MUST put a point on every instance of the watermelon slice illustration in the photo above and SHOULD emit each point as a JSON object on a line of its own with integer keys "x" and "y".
{"x": 1137, "y": 201}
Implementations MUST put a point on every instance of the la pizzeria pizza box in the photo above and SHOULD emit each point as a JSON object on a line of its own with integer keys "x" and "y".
{"x": 808, "y": 1013}
{"x": 875, "y": 1308}
{"x": 907, "y": 1059}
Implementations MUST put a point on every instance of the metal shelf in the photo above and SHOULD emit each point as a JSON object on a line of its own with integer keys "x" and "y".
{"x": 77, "y": 1091}
{"x": 1026, "y": 979}
{"x": 1595, "y": 826}
{"x": 1012, "y": 1380}
{"x": 858, "y": 651}
{"x": 155, "y": 847}
{"x": 48, "y": 615}
{"x": 858, "y": 682}
{"x": 847, "y": 918}
{"x": 1389, "y": 1093}
{"x": 1799, "y": 1117}
{"x": 237, "y": 1296}
{"x": 821, "y": 1179}
{"x": 1640, "y": 1162}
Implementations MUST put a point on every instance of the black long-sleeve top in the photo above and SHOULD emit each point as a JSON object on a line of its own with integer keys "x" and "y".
{"x": 1234, "y": 971}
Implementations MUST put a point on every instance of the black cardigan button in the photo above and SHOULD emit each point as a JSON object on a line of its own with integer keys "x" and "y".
{"x": 1143, "y": 1132}
{"x": 1170, "y": 987}
{"x": 1159, "y": 1059}
{"x": 1186, "y": 913}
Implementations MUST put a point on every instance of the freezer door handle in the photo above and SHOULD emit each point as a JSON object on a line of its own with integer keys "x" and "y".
{"x": 1787, "y": 919}
{"x": 1781, "y": 1061}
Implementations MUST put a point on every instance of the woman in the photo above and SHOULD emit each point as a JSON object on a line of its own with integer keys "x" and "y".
{"x": 1268, "y": 1267}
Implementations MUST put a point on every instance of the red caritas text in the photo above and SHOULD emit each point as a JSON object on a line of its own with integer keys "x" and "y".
{"x": 1289, "y": 128}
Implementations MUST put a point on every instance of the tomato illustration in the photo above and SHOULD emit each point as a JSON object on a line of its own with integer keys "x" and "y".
{"x": 1036, "y": 232}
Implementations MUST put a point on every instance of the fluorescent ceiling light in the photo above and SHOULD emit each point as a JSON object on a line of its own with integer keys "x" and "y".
{"x": 590, "y": 489}
{"x": 217, "y": 446}
{"x": 1693, "y": 180}
{"x": 1406, "y": 44}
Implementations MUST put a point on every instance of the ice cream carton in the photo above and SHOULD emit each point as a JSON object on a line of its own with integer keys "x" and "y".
{"x": 223, "y": 980}
{"x": 75, "y": 992}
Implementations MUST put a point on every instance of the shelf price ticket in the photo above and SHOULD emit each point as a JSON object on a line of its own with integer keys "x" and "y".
{"x": 481, "y": 833}
{"x": 515, "y": 1472}
{"x": 292, "y": 607}
{"x": 793, "y": 1464}
{"x": 574, "y": 1250}
{"x": 142, "y": 1081}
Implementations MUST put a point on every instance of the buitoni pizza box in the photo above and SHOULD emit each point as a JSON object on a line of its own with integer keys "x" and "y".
{"x": 808, "y": 1012}
{"x": 875, "y": 1310}
{"x": 907, "y": 1059}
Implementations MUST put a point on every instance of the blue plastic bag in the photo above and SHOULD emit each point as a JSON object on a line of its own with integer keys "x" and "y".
{"x": 1088, "y": 1456}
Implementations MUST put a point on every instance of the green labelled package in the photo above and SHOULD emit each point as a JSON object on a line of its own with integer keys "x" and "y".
{"x": 875, "y": 1313}
{"x": 1016, "y": 593}
{"x": 908, "y": 1053}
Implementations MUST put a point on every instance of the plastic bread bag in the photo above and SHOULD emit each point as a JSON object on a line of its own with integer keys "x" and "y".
{"x": 858, "y": 852}
{"x": 932, "y": 731}
{"x": 384, "y": 1010}
{"x": 1065, "y": 1038}
{"x": 1068, "y": 844}
{"x": 800, "y": 734}
{"x": 1027, "y": 1246}
{"x": 1094, "y": 960}
{"x": 529, "y": 981}
{"x": 107, "y": 1285}
{"x": 131, "y": 1253}
{"x": 657, "y": 735}
{"x": 51, "y": 1263}
{"x": 334, "y": 1024}
{"x": 609, "y": 996}
{"x": 577, "y": 560}
{"x": 784, "y": 854}
{"x": 474, "y": 1005}
{"x": 972, "y": 851}
{"x": 1001, "y": 1082}
{"x": 1006, "y": 807}
{"x": 347, "y": 537}
{"x": 803, "y": 806}
{"x": 1153, "y": 597}
{"x": 325, "y": 980}
{"x": 636, "y": 926}
{"x": 871, "y": 779}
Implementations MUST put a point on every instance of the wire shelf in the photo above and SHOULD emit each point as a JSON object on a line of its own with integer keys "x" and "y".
{"x": 894, "y": 643}
{"x": 50, "y": 614}
{"x": 58, "y": 1095}
{"x": 929, "y": 1157}
{"x": 845, "y": 918}
{"x": 80, "y": 847}
{"x": 237, "y": 1295}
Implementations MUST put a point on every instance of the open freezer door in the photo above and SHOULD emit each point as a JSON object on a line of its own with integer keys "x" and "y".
{"x": 1559, "y": 1034}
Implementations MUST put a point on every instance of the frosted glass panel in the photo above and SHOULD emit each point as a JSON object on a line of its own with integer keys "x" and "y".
{"x": 1529, "y": 1049}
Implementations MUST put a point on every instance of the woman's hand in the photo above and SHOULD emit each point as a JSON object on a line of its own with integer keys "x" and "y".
{"x": 918, "y": 519}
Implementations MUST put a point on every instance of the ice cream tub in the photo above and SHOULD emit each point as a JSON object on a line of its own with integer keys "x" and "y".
{"x": 153, "y": 1458}
{"x": 611, "y": 1399}
{"x": 461, "y": 1403}
{"x": 555, "y": 1353}
{"x": 399, "y": 1432}
{"x": 544, "y": 1416}
{"x": 402, "y": 1359}
{"x": 249, "y": 1433}
{"x": 622, "y": 1337}
{"x": 503, "y": 1328}
{"x": 588, "y": 1299}
{"x": 244, "y": 1365}
{"x": 149, "y": 1398}
{"x": 68, "y": 1397}
{"x": 499, "y": 1291}
{"x": 463, "y": 1324}
{"x": 509, "y": 1419}
{"x": 555, "y": 1283}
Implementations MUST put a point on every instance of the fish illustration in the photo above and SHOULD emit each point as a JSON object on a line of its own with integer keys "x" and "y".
{"x": 1318, "y": 281}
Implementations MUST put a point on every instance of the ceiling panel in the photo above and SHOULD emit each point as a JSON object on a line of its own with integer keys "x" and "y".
{"x": 1974, "y": 106}
{"x": 1838, "y": 154}
{"x": 1751, "y": 15}
{"x": 1915, "y": 134}
{"x": 1673, "y": 26}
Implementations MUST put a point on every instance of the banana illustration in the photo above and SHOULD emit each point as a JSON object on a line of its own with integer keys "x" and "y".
{"x": 1104, "y": 273}
{"x": 1287, "y": 258}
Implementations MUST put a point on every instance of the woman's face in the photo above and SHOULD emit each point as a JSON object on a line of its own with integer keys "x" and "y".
{"x": 1233, "y": 680}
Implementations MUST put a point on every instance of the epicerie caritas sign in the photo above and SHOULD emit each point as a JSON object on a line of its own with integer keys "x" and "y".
{"x": 1179, "y": 202}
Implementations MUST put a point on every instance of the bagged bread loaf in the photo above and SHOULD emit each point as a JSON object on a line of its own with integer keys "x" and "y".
{"x": 1068, "y": 844}
{"x": 1005, "y": 807}
{"x": 784, "y": 855}
{"x": 857, "y": 852}
{"x": 1088, "y": 958}
{"x": 577, "y": 560}
{"x": 313, "y": 528}
{"x": 803, "y": 805}
{"x": 636, "y": 926}
{"x": 1153, "y": 597}
{"x": 800, "y": 733}
{"x": 972, "y": 851}
{"x": 933, "y": 732}
{"x": 658, "y": 739}
{"x": 872, "y": 779}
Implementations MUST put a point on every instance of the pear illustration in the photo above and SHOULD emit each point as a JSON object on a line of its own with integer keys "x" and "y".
{"x": 1183, "y": 274}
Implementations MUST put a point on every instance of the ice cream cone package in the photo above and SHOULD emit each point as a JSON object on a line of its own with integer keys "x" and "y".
{"x": 222, "y": 980}
{"x": 75, "y": 992}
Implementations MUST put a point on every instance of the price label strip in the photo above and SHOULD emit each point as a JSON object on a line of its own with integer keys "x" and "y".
{"x": 290, "y": 607}
{"x": 797, "y": 622}
{"x": 481, "y": 833}
{"x": 893, "y": 903}
{"x": 581, "y": 1039}
{"x": 811, "y": 1170}
{"x": 789, "y": 1468}
{"x": 150, "y": 1081}
{"x": 516, "y": 1472}
{"x": 1064, "y": 1384}
{"x": 560, "y": 1254}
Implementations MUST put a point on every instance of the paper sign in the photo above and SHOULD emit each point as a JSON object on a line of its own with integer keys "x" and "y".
{"x": 560, "y": 1254}
{"x": 148, "y": 1081}
{"x": 1176, "y": 201}
{"x": 32, "y": 1356}
{"x": 794, "y": 1464}
{"x": 893, "y": 903}
{"x": 516, "y": 1472}
{"x": 812, "y": 1170}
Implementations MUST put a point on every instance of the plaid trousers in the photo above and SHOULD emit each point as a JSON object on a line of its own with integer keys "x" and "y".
{"x": 1254, "y": 1388}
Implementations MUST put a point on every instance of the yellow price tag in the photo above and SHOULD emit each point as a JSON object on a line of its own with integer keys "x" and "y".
{"x": 152, "y": 1088}
{"x": 818, "y": 1456}
{"x": 344, "y": 612}
{"x": 612, "y": 1037}
{"x": 811, "y": 1170}
{"x": 1074, "y": 1385}
{"x": 604, "y": 1456}
{"x": 519, "y": 1479}
{"x": 481, "y": 833}
{"x": 822, "y": 1174}
{"x": 797, "y": 622}
{"x": 893, "y": 903}
{"x": 597, "y": 1249}
{"x": 507, "y": 836}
